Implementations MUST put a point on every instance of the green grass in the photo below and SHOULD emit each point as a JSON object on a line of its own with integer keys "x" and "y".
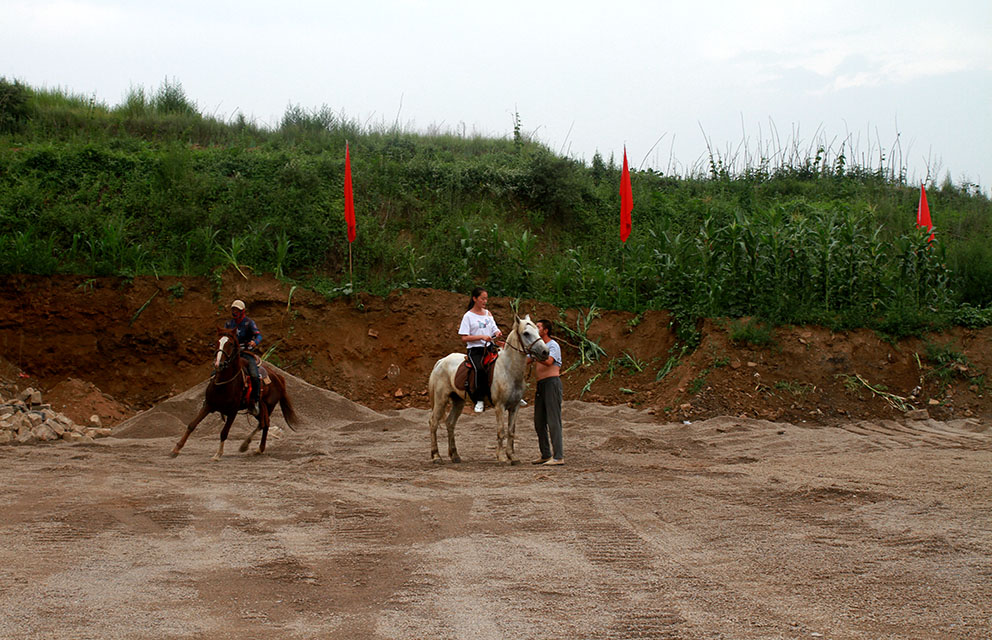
{"x": 697, "y": 383}
{"x": 795, "y": 387}
{"x": 153, "y": 186}
{"x": 949, "y": 363}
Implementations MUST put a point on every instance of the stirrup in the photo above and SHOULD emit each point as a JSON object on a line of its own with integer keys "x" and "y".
{"x": 480, "y": 406}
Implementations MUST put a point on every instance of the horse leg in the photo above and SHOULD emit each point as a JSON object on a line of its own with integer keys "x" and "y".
{"x": 456, "y": 410}
{"x": 263, "y": 421}
{"x": 511, "y": 427}
{"x": 244, "y": 445}
{"x": 437, "y": 410}
{"x": 263, "y": 405}
{"x": 204, "y": 411}
{"x": 500, "y": 435}
{"x": 223, "y": 436}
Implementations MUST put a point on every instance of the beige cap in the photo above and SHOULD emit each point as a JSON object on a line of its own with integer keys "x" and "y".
{"x": 237, "y": 304}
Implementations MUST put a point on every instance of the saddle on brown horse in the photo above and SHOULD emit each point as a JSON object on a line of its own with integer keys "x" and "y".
{"x": 263, "y": 378}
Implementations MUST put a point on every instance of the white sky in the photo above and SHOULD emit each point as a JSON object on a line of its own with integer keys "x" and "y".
{"x": 584, "y": 76}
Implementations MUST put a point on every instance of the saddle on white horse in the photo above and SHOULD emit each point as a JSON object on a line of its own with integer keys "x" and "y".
{"x": 463, "y": 375}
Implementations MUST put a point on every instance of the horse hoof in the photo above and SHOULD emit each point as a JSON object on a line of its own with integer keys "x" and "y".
{"x": 514, "y": 461}
{"x": 215, "y": 458}
{"x": 173, "y": 454}
{"x": 437, "y": 460}
{"x": 456, "y": 459}
{"x": 244, "y": 446}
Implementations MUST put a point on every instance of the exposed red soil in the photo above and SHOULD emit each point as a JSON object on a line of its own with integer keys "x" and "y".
{"x": 113, "y": 347}
{"x": 849, "y": 526}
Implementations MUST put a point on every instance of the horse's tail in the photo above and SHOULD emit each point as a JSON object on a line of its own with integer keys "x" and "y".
{"x": 286, "y": 405}
{"x": 436, "y": 378}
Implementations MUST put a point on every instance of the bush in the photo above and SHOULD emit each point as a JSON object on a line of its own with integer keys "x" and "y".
{"x": 14, "y": 110}
{"x": 153, "y": 186}
{"x": 751, "y": 331}
{"x": 171, "y": 99}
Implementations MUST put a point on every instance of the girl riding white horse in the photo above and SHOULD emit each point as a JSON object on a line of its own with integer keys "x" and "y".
{"x": 506, "y": 389}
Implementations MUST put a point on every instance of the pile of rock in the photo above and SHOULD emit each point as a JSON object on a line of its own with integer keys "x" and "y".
{"x": 26, "y": 420}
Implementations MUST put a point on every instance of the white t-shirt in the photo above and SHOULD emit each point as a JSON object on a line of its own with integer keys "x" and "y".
{"x": 475, "y": 325}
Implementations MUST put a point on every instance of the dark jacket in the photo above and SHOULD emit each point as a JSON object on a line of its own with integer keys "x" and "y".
{"x": 246, "y": 330}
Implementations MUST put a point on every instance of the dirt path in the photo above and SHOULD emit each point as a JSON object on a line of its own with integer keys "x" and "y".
{"x": 728, "y": 528}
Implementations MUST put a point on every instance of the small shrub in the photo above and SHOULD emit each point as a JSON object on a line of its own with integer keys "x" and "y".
{"x": 948, "y": 362}
{"x": 972, "y": 317}
{"x": 674, "y": 359}
{"x": 171, "y": 98}
{"x": 697, "y": 384}
{"x": 14, "y": 109}
{"x": 751, "y": 331}
{"x": 794, "y": 387}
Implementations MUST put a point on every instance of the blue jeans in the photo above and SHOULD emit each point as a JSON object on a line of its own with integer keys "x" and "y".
{"x": 252, "y": 367}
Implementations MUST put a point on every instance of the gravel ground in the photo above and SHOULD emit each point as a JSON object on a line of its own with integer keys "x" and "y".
{"x": 727, "y": 528}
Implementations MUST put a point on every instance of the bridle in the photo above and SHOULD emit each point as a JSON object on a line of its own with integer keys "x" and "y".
{"x": 224, "y": 365}
{"x": 528, "y": 349}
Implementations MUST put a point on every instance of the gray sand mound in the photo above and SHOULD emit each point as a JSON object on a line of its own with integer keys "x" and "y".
{"x": 312, "y": 404}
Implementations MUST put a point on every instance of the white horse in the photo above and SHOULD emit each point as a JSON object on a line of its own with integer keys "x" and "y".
{"x": 506, "y": 389}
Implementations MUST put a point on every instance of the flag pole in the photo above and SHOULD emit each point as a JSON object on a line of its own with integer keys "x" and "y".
{"x": 623, "y": 262}
{"x": 349, "y": 213}
{"x": 626, "y": 205}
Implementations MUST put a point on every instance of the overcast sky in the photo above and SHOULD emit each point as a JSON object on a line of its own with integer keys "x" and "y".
{"x": 584, "y": 76}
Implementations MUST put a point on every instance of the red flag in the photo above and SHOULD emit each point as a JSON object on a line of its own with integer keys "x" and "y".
{"x": 626, "y": 200}
{"x": 349, "y": 197}
{"x": 923, "y": 213}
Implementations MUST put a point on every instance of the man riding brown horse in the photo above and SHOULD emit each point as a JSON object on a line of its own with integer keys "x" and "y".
{"x": 249, "y": 337}
{"x": 225, "y": 393}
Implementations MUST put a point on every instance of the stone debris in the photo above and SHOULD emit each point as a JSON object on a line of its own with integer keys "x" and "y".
{"x": 27, "y": 420}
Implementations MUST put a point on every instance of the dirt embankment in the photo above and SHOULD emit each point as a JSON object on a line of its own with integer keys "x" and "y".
{"x": 113, "y": 347}
{"x": 728, "y": 527}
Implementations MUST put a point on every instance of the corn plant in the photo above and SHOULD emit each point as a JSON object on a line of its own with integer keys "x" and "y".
{"x": 232, "y": 255}
{"x": 283, "y": 243}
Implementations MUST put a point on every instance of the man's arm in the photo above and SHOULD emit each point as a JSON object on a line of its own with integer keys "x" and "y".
{"x": 256, "y": 335}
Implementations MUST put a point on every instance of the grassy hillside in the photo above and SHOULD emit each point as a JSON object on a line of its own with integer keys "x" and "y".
{"x": 151, "y": 186}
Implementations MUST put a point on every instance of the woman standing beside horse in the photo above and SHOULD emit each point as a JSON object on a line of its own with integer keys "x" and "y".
{"x": 478, "y": 328}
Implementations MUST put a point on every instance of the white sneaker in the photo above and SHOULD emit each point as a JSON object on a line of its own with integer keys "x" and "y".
{"x": 479, "y": 406}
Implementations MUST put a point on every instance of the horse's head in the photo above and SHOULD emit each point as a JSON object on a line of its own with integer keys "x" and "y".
{"x": 227, "y": 348}
{"x": 530, "y": 338}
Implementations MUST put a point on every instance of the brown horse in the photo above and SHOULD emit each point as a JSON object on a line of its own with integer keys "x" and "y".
{"x": 226, "y": 394}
